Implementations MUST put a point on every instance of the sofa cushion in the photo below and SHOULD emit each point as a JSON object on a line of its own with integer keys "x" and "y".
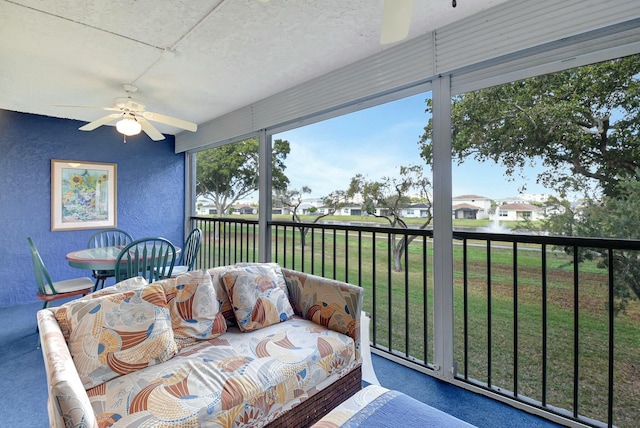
{"x": 237, "y": 379}
{"x": 327, "y": 302}
{"x": 255, "y": 296}
{"x": 221, "y": 294}
{"x": 118, "y": 333}
{"x": 195, "y": 310}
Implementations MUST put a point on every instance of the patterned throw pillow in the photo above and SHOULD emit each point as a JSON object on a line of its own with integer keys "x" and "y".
{"x": 116, "y": 334}
{"x": 276, "y": 269}
{"x": 126, "y": 285}
{"x": 255, "y": 296}
{"x": 131, "y": 283}
{"x": 225, "y": 305}
{"x": 195, "y": 310}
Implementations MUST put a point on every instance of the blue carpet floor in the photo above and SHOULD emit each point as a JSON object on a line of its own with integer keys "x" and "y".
{"x": 466, "y": 405}
{"x": 24, "y": 388}
{"x": 23, "y": 381}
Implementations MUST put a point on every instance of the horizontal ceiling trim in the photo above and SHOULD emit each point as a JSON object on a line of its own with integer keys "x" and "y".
{"x": 503, "y": 40}
{"x": 366, "y": 78}
{"x": 392, "y": 69}
{"x": 236, "y": 123}
{"x": 523, "y": 24}
{"x": 600, "y": 45}
{"x": 351, "y": 107}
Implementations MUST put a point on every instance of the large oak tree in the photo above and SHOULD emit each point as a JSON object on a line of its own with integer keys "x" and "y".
{"x": 582, "y": 125}
{"x": 228, "y": 173}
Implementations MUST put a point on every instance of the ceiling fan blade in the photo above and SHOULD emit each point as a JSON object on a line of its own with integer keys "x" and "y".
{"x": 99, "y": 122}
{"x": 149, "y": 129}
{"x": 172, "y": 121}
{"x": 396, "y": 19}
{"x": 97, "y": 107}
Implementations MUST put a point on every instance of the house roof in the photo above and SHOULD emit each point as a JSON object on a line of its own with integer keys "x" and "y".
{"x": 467, "y": 197}
{"x": 195, "y": 60}
{"x": 519, "y": 207}
{"x": 465, "y": 207}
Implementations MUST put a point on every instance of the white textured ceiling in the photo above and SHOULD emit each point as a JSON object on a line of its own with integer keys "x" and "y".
{"x": 192, "y": 59}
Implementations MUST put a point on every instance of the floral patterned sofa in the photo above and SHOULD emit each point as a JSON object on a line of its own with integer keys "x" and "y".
{"x": 242, "y": 345}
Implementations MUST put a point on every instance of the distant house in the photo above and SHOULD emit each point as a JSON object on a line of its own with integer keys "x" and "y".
{"x": 465, "y": 211}
{"x": 535, "y": 197}
{"x": 305, "y": 208}
{"x": 512, "y": 200}
{"x": 244, "y": 209}
{"x": 520, "y": 211}
{"x": 417, "y": 210}
{"x": 471, "y": 207}
{"x": 350, "y": 210}
{"x": 315, "y": 202}
{"x": 280, "y": 211}
{"x": 207, "y": 209}
{"x": 324, "y": 209}
{"x": 383, "y": 212}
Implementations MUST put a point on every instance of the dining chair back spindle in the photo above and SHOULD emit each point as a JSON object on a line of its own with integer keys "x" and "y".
{"x": 151, "y": 258}
{"x": 189, "y": 253}
{"x": 107, "y": 238}
{"x": 49, "y": 290}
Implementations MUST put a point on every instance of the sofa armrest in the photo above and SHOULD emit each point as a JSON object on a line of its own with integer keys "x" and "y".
{"x": 334, "y": 304}
{"x": 69, "y": 404}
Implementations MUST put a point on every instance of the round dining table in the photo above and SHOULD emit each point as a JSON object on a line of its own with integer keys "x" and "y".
{"x": 101, "y": 258}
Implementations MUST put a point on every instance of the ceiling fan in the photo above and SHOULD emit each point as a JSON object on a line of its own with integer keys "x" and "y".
{"x": 132, "y": 117}
{"x": 396, "y": 19}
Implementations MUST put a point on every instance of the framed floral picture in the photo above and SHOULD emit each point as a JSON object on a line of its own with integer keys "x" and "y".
{"x": 83, "y": 195}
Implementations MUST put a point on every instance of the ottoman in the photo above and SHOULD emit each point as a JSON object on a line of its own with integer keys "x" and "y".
{"x": 376, "y": 406}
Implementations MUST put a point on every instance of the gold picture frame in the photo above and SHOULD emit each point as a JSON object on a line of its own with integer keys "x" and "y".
{"x": 83, "y": 195}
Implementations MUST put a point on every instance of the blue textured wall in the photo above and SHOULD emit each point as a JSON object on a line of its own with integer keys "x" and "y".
{"x": 150, "y": 193}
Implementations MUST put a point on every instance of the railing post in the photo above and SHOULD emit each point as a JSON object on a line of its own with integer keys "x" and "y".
{"x": 264, "y": 195}
{"x": 189, "y": 193}
{"x": 442, "y": 229}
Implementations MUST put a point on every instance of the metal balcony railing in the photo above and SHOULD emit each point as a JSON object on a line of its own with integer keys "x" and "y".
{"x": 535, "y": 317}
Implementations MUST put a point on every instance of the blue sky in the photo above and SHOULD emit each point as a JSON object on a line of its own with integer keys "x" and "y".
{"x": 375, "y": 142}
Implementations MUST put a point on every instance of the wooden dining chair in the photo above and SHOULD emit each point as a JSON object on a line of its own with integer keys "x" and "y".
{"x": 189, "y": 253}
{"x": 107, "y": 238}
{"x": 151, "y": 258}
{"x": 49, "y": 290}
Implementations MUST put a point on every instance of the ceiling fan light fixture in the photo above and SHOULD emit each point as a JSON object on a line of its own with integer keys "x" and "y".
{"x": 132, "y": 118}
{"x": 128, "y": 126}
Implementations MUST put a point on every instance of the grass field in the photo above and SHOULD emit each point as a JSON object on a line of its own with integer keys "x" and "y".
{"x": 401, "y": 304}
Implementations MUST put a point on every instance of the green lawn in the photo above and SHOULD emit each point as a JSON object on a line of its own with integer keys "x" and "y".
{"x": 411, "y": 323}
